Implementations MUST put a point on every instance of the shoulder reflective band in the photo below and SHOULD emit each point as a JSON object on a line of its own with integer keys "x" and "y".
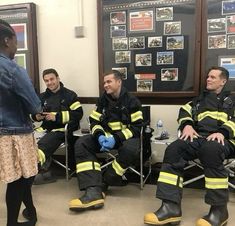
{"x": 75, "y": 105}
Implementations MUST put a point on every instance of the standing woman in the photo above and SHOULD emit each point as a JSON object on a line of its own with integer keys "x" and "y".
{"x": 18, "y": 156}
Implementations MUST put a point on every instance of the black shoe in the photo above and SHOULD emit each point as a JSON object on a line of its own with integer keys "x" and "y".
{"x": 44, "y": 177}
{"x": 92, "y": 199}
{"x": 30, "y": 215}
{"x": 217, "y": 216}
{"x": 169, "y": 212}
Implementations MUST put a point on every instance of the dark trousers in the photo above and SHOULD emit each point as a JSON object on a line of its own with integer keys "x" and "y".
{"x": 210, "y": 153}
{"x": 50, "y": 142}
{"x": 86, "y": 148}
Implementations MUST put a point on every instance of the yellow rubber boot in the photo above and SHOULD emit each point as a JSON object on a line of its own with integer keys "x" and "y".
{"x": 92, "y": 199}
{"x": 169, "y": 212}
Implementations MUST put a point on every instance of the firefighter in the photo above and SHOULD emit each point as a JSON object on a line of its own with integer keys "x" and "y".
{"x": 116, "y": 123}
{"x": 60, "y": 106}
{"x": 207, "y": 124}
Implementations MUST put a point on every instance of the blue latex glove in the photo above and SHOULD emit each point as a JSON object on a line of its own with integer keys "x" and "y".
{"x": 101, "y": 140}
{"x": 108, "y": 143}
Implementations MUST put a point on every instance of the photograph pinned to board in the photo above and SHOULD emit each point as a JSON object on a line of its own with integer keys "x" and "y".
{"x": 21, "y": 34}
{"x": 166, "y": 57}
{"x": 228, "y": 62}
{"x": 228, "y": 7}
{"x": 141, "y": 20}
{"x": 231, "y": 41}
{"x": 169, "y": 74}
{"x": 118, "y": 17}
{"x": 217, "y": 41}
{"x": 216, "y": 25}
{"x": 154, "y": 42}
{"x": 122, "y": 57}
{"x": 165, "y": 13}
{"x": 120, "y": 43}
{"x": 143, "y": 60}
{"x": 175, "y": 42}
{"x": 122, "y": 70}
{"x": 117, "y": 31}
{"x": 144, "y": 85}
{"x": 172, "y": 28}
{"x": 230, "y": 24}
{"x": 145, "y": 76}
{"x": 137, "y": 42}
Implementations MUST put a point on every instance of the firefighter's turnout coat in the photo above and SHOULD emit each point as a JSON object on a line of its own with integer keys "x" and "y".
{"x": 64, "y": 104}
{"x": 207, "y": 114}
{"x": 121, "y": 118}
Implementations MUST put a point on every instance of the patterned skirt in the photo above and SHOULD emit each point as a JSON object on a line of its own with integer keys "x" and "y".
{"x": 18, "y": 157}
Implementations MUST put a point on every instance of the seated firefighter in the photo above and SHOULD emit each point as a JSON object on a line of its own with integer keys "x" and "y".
{"x": 115, "y": 124}
{"x": 207, "y": 124}
{"x": 60, "y": 106}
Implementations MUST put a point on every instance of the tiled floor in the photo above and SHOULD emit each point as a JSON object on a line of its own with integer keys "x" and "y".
{"x": 124, "y": 206}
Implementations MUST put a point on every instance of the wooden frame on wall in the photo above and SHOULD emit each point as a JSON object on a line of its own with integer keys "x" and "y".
{"x": 22, "y": 17}
{"x": 155, "y": 44}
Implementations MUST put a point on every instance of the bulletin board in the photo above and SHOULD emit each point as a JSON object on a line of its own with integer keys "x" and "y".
{"x": 22, "y": 17}
{"x": 154, "y": 44}
{"x": 218, "y": 38}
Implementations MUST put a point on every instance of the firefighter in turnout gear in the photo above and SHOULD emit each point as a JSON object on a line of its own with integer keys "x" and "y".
{"x": 116, "y": 123}
{"x": 60, "y": 106}
{"x": 207, "y": 124}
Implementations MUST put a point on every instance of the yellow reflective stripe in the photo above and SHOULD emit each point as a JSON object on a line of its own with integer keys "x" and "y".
{"x": 216, "y": 183}
{"x": 115, "y": 125}
{"x": 127, "y": 133}
{"x": 168, "y": 178}
{"x": 41, "y": 156}
{"x": 85, "y": 166}
{"x": 107, "y": 134}
{"x": 53, "y": 113}
{"x": 95, "y": 128}
{"x": 184, "y": 119}
{"x": 136, "y": 116}
{"x": 232, "y": 141}
{"x": 58, "y": 129}
{"x": 213, "y": 114}
{"x": 65, "y": 116}
{"x": 231, "y": 125}
{"x": 40, "y": 129}
{"x": 95, "y": 115}
{"x": 187, "y": 107}
{"x": 118, "y": 169}
{"x": 75, "y": 105}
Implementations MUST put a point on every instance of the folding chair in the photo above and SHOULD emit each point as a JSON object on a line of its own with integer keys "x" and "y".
{"x": 64, "y": 146}
{"x": 228, "y": 164}
{"x": 110, "y": 156}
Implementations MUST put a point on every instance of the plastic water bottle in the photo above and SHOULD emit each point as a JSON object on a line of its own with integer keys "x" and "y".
{"x": 159, "y": 128}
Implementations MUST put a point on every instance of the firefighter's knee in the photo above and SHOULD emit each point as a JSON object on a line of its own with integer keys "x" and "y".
{"x": 79, "y": 148}
{"x": 172, "y": 152}
{"x": 211, "y": 154}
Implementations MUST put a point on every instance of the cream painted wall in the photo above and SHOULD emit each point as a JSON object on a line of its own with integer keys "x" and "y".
{"x": 76, "y": 59}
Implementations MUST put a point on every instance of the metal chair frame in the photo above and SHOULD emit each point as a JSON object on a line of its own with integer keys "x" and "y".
{"x": 228, "y": 163}
{"x": 64, "y": 146}
{"x": 143, "y": 178}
